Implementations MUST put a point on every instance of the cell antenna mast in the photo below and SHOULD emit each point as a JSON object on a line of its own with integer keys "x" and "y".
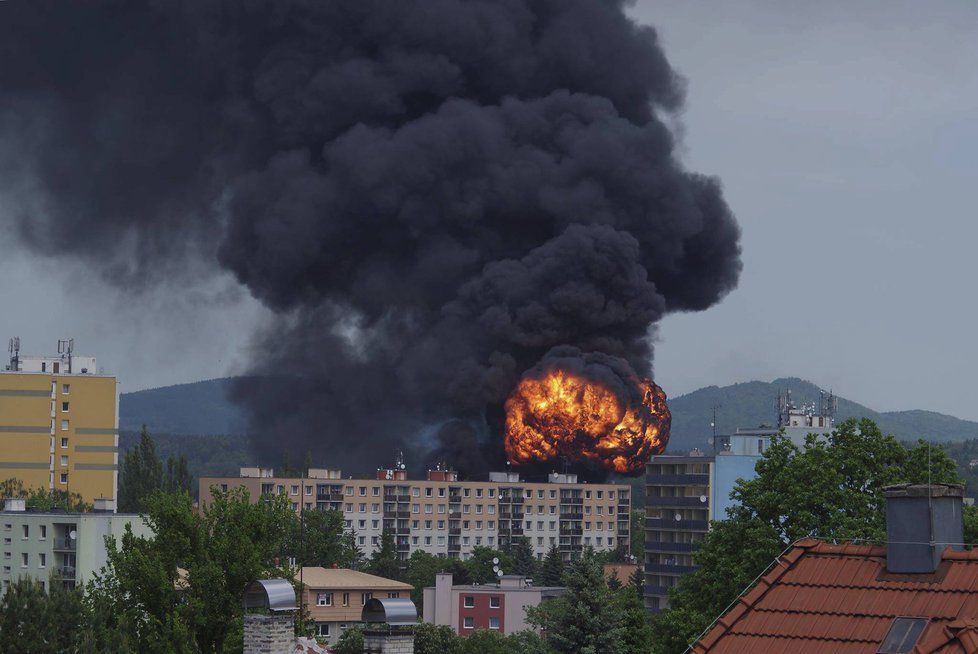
{"x": 14, "y": 349}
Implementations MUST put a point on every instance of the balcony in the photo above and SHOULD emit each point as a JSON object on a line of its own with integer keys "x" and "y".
{"x": 66, "y": 571}
{"x": 680, "y": 525}
{"x": 678, "y": 480}
{"x": 677, "y": 501}
{"x": 669, "y": 569}
{"x": 64, "y": 545}
{"x": 659, "y": 546}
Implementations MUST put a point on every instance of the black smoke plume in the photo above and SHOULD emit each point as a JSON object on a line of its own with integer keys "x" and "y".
{"x": 430, "y": 194}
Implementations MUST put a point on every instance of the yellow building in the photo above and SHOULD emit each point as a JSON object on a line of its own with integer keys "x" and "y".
{"x": 59, "y": 423}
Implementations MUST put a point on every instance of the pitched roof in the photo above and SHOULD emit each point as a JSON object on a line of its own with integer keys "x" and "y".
{"x": 316, "y": 577}
{"x": 821, "y": 597}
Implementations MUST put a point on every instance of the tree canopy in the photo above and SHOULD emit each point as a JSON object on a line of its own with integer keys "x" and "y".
{"x": 831, "y": 488}
{"x": 142, "y": 474}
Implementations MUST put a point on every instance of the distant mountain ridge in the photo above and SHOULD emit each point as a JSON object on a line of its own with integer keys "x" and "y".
{"x": 198, "y": 408}
{"x": 203, "y": 408}
{"x": 751, "y": 404}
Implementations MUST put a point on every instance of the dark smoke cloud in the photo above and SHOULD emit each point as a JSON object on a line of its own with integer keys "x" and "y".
{"x": 431, "y": 194}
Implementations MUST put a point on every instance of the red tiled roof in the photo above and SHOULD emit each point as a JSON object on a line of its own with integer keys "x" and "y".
{"x": 820, "y": 597}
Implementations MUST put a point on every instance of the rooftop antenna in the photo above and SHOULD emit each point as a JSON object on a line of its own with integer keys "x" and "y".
{"x": 66, "y": 348}
{"x": 713, "y": 424}
{"x": 399, "y": 460}
{"x": 14, "y": 349}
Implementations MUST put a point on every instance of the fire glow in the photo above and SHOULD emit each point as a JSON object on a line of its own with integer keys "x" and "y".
{"x": 562, "y": 415}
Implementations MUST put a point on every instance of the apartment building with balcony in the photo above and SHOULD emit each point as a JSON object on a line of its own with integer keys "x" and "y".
{"x": 684, "y": 493}
{"x": 448, "y": 517}
{"x": 58, "y": 547}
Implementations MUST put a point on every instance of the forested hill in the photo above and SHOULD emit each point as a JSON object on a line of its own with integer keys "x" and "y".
{"x": 202, "y": 408}
{"x": 198, "y": 408}
{"x": 751, "y": 404}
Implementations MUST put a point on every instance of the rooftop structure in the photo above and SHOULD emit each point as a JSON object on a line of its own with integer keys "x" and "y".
{"x": 445, "y": 516}
{"x": 916, "y": 593}
{"x": 59, "y": 423}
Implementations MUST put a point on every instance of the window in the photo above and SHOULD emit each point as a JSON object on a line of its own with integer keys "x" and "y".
{"x": 324, "y": 599}
{"x": 64, "y": 478}
{"x": 346, "y": 599}
{"x": 349, "y": 490}
{"x": 64, "y": 407}
{"x": 465, "y": 492}
{"x": 903, "y": 635}
{"x": 415, "y": 508}
{"x": 427, "y": 492}
{"x": 64, "y": 443}
{"x": 64, "y": 460}
{"x": 308, "y": 490}
{"x": 376, "y": 490}
{"x": 65, "y": 389}
{"x": 363, "y": 491}
{"x": 64, "y": 425}
{"x": 494, "y": 622}
{"x": 295, "y": 489}
{"x": 467, "y": 623}
{"x": 364, "y": 597}
{"x": 600, "y": 494}
{"x": 478, "y": 508}
{"x": 415, "y": 492}
{"x": 441, "y": 492}
{"x": 322, "y": 629}
{"x": 478, "y": 492}
{"x": 42, "y": 560}
{"x": 760, "y": 450}
{"x": 428, "y": 508}
{"x": 494, "y": 601}
{"x": 26, "y": 530}
{"x": 44, "y": 532}
{"x": 469, "y": 602}
{"x": 393, "y": 595}
{"x": 24, "y": 560}
{"x": 441, "y": 508}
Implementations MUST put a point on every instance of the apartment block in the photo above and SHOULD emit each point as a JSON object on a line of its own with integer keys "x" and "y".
{"x": 685, "y": 493}
{"x": 448, "y": 517}
{"x": 334, "y": 597}
{"x": 65, "y": 548}
{"x": 59, "y": 423}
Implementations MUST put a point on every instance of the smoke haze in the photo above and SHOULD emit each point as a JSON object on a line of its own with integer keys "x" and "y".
{"x": 429, "y": 195}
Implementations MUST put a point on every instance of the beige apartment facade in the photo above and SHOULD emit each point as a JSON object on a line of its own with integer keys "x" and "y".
{"x": 447, "y": 517}
{"x": 334, "y": 597}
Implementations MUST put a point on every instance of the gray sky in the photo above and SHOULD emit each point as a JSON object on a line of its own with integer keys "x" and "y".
{"x": 846, "y": 137}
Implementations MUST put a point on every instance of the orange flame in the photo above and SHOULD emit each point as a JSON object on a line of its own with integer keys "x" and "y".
{"x": 569, "y": 416}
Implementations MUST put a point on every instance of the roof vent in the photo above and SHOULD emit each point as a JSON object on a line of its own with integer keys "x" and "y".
{"x": 921, "y": 522}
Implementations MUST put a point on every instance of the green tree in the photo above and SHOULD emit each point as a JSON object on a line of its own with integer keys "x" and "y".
{"x": 585, "y": 619}
{"x": 142, "y": 474}
{"x": 634, "y": 618}
{"x": 527, "y": 642}
{"x": 552, "y": 570}
{"x": 831, "y": 488}
{"x": 636, "y": 583}
{"x": 480, "y": 564}
{"x": 384, "y": 562}
{"x": 231, "y": 543}
{"x": 520, "y": 553}
{"x": 485, "y": 641}
{"x": 43, "y": 499}
{"x": 34, "y": 620}
{"x": 350, "y": 642}
{"x": 638, "y": 534}
{"x": 431, "y": 639}
{"x": 421, "y": 570}
{"x": 319, "y": 538}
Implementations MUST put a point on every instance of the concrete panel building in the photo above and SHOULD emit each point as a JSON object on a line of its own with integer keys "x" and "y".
{"x": 65, "y": 548}
{"x": 444, "y": 516}
{"x": 59, "y": 423}
{"x": 685, "y": 493}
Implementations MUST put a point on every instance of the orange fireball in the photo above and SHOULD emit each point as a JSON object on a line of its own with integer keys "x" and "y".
{"x": 566, "y": 415}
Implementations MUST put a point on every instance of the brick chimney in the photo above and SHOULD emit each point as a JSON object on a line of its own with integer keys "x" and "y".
{"x": 922, "y": 520}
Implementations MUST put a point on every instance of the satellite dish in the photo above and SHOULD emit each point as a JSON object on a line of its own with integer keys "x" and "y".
{"x": 72, "y": 534}
{"x": 495, "y": 568}
{"x": 495, "y": 561}
{"x": 678, "y": 517}
{"x": 703, "y": 498}
{"x": 499, "y": 574}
